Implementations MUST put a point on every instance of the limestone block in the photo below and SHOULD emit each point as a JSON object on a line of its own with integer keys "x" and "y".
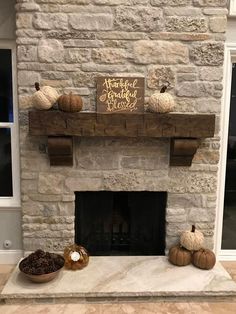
{"x": 181, "y": 201}
{"x": 208, "y": 54}
{"x": 159, "y": 75}
{"x": 206, "y": 105}
{"x": 140, "y": 162}
{"x": 27, "y": 7}
{"x": 24, "y": 102}
{"x": 170, "y": 2}
{"x": 215, "y": 11}
{"x": 68, "y": 198}
{"x": 23, "y": 20}
{"x": 182, "y": 11}
{"x": 174, "y": 211}
{"x": 120, "y": 2}
{"x": 107, "y": 68}
{"x": 186, "y": 69}
{"x": 50, "y": 183}
{"x": 211, "y": 73}
{"x": 184, "y": 104}
{"x": 67, "y": 208}
{"x": 218, "y": 24}
{"x": 47, "y": 21}
{"x": 83, "y": 184}
{"x": 178, "y": 218}
{"x": 27, "y": 78}
{"x": 77, "y": 55}
{"x": 50, "y": 50}
{"x": 80, "y": 43}
{"x": 201, "y": 215}
{"x": 86, "y": 21}
{"x": 182, "y": 77}
{"x": 109, "y": 55}
{"x": 162, "y": 52}
{"x": 193, "y": 182}
{"x": 175, "y": 229}
{"x": 138, "y": 18}
{"x": 210, "y": 3}
{"x": 27, "y": 53}
{"x": 118, "y": 35}
{"x": 198, "y": 89}
{"x": 206, "y": 157}
{"x": 186, "y": 24}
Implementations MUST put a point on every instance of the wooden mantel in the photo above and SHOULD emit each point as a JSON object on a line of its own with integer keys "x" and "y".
{"x": 185, "y": 131}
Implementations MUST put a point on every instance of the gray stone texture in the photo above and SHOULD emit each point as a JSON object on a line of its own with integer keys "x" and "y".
{"x": 208, "y": 54}
{"x": 160, "y": 52}
{"x": 89, "y": 21}
{"x": 186, "y": 24}
{"x": 67, "y": 44}
{"x": 138, "y": 18}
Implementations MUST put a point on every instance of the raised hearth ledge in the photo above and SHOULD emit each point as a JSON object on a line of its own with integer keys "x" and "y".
{"x": 135, "y": 277}
{"x": 184, "y": 130}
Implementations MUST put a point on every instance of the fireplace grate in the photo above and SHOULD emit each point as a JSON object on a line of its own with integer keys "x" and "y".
{"x": 121, "y": 223}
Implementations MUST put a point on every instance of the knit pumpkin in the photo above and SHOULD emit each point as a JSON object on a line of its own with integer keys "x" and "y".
{"x": 204, "y": 259}
{"x": 70, "y": 103}
{"x": 179, "y": 256}
{"x": 76, "y": 257}
{"x": 161, "y": 102}
{"x": 192, "y": 240}
{"x": 44, "y": 98}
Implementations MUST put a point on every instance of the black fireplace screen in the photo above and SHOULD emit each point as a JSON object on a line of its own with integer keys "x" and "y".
{"x": 121, "y": 223}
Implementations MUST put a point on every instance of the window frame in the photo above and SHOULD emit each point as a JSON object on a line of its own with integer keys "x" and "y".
{"x": 13, "y": 201}
{"x": 232, "y": 8}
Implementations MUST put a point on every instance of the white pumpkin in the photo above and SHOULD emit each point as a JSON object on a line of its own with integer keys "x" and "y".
{"x": 44, "y": 98}
{"x": 192, "y": 240}
{"x": 161, "y": 102}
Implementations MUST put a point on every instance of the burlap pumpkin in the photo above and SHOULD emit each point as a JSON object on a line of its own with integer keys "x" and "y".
{"x": 204, "y": 259}
{"x": 192, "y": 240}
{"x": 179, "y": 256}
{"x": 44, "y": 98}
{"x": 70, "y": 103}
{"x": 161, "y": 102}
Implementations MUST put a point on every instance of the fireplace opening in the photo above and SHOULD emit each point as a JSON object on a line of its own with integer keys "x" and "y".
{"x": 121, "y": 223}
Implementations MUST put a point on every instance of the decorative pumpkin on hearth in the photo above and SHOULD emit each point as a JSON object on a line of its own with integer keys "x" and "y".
{"x": 179, "y": 256}
{"x": 192, "y": 240}
{"x": 44, "y": 98}
{"x": 161, "y": 102}
{"x": 70, "y": 103}
{"x": 76, "y": 257}
{"x": 204, "y": 259}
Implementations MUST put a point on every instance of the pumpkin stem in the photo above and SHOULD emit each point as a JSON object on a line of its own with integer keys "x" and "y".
{"x": 36, "y": 85}
{"x": 193, "y": 228}
{"x": 164, "y": 87}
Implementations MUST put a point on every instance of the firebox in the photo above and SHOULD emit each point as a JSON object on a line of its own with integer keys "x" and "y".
{"x": 121, "y": 223}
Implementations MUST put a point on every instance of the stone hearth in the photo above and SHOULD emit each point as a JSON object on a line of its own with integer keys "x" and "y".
{"x": 124, "y": 278}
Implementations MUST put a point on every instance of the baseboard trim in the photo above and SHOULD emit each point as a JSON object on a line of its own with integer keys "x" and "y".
{"x": 10, "y": 256}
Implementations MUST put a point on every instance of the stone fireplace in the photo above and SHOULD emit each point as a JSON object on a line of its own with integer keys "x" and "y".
{"x": 67, "y": 45}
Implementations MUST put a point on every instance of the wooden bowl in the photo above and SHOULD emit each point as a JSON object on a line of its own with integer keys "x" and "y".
{"x": 44, "y": 277}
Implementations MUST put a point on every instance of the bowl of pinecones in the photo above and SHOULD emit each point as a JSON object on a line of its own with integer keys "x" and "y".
{"x": 41, "y": 266}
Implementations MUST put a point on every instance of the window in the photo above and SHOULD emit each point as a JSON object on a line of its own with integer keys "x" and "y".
{"x": 9, "y": 140}
{"x": 232, "y": 8}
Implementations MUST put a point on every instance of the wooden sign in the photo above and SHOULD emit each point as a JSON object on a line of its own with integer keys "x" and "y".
{"x": 120, "y": 94}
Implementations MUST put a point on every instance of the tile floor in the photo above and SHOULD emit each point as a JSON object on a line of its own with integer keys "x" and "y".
{"x": 121, "y": 308}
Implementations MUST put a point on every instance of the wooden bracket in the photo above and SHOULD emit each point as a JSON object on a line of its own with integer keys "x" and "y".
{"x": 60, "y": 150}
{"x": 182, "y": 151}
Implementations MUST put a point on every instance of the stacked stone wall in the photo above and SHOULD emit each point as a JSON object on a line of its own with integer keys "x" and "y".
{"x": 67, "y": 44}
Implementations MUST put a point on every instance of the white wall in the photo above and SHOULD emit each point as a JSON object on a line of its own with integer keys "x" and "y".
{"x": 7, "y": 19}
{"x": 231, "y": 30}
{"x": 10, "y": 218}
